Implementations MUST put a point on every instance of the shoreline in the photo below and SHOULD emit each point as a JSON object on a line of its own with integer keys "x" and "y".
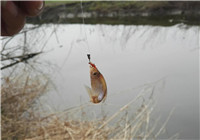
{"x": 127, "y": 13}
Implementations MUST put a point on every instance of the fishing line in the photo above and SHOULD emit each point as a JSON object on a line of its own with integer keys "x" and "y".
{"x": 86, "y": 39}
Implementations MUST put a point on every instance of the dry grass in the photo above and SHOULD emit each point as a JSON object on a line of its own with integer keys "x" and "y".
{"x": 18, "y": 96}
{"x": 19, "y": 120}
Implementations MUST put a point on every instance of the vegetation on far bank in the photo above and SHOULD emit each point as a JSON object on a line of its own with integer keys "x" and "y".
{"x": 164, "y": 13}
{"x": 121, "y": 5}
{"x": 56, "y": 2}
{"x": 108, "y": 6}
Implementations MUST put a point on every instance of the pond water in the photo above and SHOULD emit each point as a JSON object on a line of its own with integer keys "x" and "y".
{"x": 128, "y": 57}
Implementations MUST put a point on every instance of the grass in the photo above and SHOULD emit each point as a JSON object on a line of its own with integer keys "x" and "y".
{"x": 55, "y": 3}
{"x": 113, "y": 5}
{"x": 124, "y": 125}
{"x": 110, "y": 5}
{"x": 20, "y": 120}
{"x": 18, "y": 96}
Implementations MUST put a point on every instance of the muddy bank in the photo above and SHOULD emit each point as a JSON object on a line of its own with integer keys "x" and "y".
{"x": 110, "y": 12}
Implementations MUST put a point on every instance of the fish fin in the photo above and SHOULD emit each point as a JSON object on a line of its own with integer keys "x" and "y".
{"x": 89, "y": 91}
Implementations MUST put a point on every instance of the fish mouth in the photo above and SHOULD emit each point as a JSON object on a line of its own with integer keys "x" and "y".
{"x": 92, "y": 65}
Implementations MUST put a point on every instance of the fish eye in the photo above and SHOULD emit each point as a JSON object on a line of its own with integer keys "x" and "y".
{"x": 95, "y": 73}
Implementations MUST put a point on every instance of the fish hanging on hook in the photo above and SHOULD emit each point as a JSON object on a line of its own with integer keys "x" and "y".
{"x": 98, "y": 90}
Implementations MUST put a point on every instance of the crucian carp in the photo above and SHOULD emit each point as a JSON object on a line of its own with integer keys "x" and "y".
{"x": 98, "y": 90}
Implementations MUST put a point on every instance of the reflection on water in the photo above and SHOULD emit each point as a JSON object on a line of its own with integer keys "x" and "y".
{"x": 128, "y": 57}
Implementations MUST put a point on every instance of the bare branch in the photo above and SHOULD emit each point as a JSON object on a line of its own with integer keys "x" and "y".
{"x": 22, "y": 58}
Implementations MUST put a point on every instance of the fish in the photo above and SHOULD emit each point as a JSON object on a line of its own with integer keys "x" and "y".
{"x": 98, "y": 90}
